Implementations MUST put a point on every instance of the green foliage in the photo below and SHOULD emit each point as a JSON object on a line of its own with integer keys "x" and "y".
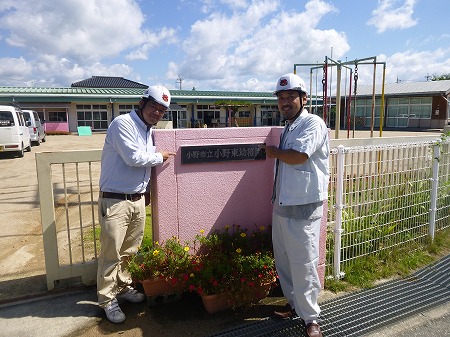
{"x": 335, "y": 285}
{"x": 442, "y": 77}
{"x": 372, "y": 225}
{"x": 399, "y": 262}
{"x": 148, "y": 231}
{"x": 385, "y": 231}
{"x": 232, "y": 260}
{"x": 232, "y": 104}
{"x": 169, "y": 260}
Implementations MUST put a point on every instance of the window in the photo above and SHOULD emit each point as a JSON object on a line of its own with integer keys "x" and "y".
{"x": 415, "y": 111}
{"x": 95, "y": 116}
{"x": 425, "y": 111}
{"x": 6, "y": 118}
{"x": 420, "y": 107}
{"x": 269, "y": 115}
{"x": 126, "y": 108}
{"x": 364, "y": 112}
{"x": 57, "y": 116}
{"x": 182, "y": 117}
{"x": 402, "y": 110}
{"x": 20, "y": 118}
{"x": 244, "y": 113}
{"x": 207, "y": 113}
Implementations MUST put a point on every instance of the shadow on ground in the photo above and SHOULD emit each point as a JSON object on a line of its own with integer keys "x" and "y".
{"x": 184, "y": 316}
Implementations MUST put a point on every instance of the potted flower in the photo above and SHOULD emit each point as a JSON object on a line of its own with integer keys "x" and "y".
{"x": 161, "y": 267}
{"x": 210, "y": 269}
{"x": 231, "y": 265}
{"x": 254, "y": 274}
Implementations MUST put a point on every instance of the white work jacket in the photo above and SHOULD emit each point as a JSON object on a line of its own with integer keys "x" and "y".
{"x": 308, "y": 182}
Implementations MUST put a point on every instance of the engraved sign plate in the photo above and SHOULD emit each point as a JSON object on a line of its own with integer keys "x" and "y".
{"x": 221, "y": 153}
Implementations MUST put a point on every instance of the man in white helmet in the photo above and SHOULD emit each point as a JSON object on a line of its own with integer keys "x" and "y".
{"x": 300, "y": 187}
{"x": 127, "y": 157}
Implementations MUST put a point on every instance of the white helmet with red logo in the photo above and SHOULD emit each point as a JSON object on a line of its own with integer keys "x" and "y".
{"x": 290, "y": 81}
{"x": 159, "y": 94}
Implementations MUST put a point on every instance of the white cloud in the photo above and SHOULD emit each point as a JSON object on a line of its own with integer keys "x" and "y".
{"x": 386, "y": 16}
{"x": 84, "y": 32}
{"x": 415, "y": 66}
{"x": 235, "y": 3}
{"x": 260, "y": 42}
{"x": 237, "y": 45}
{"x": 15, "y": 71}
{"x": 153, "y": 40}
{"x": 59, "y": 71}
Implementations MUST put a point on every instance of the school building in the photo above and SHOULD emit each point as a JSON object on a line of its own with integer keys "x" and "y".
{"x": 96, "y": 101}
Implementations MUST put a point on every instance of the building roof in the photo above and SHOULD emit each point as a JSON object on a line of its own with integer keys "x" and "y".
{"x": 83, "y": 94}
{"x": 407, "y": 88}
{"x": 117, "y": 89}
{"x": 108, "y": 82}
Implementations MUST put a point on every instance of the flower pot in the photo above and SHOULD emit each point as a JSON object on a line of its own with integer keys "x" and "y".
{"x": 261, "y": 291}
{"x": 157, "y": 286}
{"x": 215, "y": 302}
{"x": 252, "y": 294}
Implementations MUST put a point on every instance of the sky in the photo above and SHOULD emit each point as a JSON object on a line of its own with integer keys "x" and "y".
{"x": 236, "y": 45}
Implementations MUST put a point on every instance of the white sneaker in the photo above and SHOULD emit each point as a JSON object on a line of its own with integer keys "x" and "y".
{"x": 132, "y": 295}
{"x": 114, "y": 313}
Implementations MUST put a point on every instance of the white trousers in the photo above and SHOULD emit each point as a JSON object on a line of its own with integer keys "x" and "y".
{"x": 122, "y": 230}
{"x": 296, "y": 252}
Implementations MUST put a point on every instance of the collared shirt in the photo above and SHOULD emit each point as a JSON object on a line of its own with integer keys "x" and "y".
{"x": 128, "y": 155}
{"x": 305, "y": 183}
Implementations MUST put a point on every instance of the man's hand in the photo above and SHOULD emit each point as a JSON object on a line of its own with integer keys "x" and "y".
{"x": 166, "y": 155}
{"x": 271, "y": 151}
{"x": 287, "y": 156}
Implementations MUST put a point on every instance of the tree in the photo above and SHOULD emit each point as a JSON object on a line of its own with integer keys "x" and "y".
{"x": 233, "y": 106}
{"x": 443, "y": 77}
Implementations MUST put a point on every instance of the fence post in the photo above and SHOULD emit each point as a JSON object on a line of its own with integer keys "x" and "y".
{"x": 338, "y": 206}
{"x": 434, "y": 189}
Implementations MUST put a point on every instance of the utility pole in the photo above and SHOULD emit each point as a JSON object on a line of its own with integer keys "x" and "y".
{"x": 179, "y": 80}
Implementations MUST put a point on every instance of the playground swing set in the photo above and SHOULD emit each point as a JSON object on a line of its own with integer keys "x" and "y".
{"x": 351, "y": 70}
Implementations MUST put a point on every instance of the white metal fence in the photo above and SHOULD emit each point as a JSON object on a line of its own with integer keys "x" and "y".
{"x": 382, "y": 196}
{"x": 385, "y": 196}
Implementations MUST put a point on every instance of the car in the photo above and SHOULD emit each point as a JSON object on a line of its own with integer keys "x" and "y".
{"x": 35, "y": 126}
{"x": 14, "y": 133}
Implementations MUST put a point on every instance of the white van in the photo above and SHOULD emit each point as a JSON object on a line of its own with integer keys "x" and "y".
{"x": 35, "y": 126}
{"x": 14, "y": 134}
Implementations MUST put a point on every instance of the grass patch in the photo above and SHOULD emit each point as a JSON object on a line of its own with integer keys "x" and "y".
{"x": 401, "y": 262}
{"x": 148, "y": 232}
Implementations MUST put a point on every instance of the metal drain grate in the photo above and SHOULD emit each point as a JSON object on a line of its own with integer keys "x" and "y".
{"x": 362, "y": 312}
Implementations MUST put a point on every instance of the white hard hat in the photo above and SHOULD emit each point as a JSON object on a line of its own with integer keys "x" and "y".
{"x": 159, "y": 94}
{"x": 290, "y": 81}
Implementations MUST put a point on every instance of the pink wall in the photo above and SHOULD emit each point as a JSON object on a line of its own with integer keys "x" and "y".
{"x": 187, "y": 198}
{"x": 56, "y": 126}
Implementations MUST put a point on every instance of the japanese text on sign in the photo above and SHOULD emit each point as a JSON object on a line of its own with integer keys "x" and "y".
{"x": 219, "y": 153}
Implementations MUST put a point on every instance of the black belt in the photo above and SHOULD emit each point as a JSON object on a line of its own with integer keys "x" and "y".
{"x": 121, "y": 196}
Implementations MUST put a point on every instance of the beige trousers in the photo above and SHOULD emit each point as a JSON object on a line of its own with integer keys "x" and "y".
{"x": 122, "y": 229}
